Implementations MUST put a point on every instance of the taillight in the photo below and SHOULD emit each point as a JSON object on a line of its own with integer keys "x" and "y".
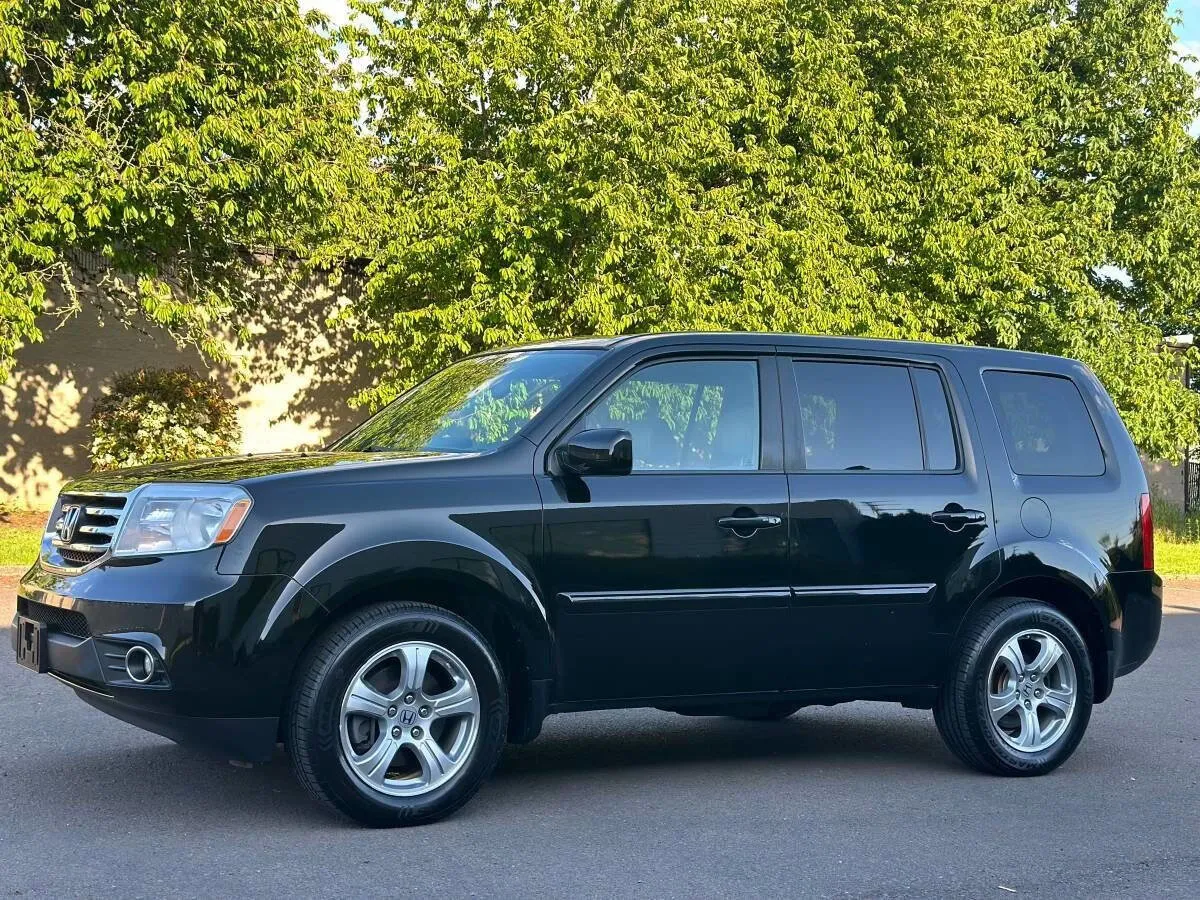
{"x": 1146, "y": 517}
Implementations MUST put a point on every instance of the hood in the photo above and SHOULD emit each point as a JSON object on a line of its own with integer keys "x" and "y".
{"x": 238, "y": 468}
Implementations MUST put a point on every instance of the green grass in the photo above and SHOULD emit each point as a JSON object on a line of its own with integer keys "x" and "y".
{"x": 19, "y": 544}
{"x": 1173, "y": 559}
{"x": 1176, "y": 539}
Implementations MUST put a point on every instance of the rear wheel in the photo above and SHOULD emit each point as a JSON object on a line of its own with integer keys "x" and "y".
{"x": 1019, "y": 696}
{"x": 398, "y": 715}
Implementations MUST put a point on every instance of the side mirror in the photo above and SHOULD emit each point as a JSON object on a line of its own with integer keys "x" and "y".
{"x": 598, "y": 451}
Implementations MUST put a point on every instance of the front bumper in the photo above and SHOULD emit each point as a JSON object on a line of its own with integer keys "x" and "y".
{"x": 224, "y": 647}
{"x": 93, "y": 667}
{"x": 248, "y": 739}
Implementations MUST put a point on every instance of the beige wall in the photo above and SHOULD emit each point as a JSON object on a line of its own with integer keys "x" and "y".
{"x": 298, "y": 376}
{"x": 1166, "y": 480}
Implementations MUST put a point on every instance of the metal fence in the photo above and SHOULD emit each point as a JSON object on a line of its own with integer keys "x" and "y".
{"x": 1191, "y": 485}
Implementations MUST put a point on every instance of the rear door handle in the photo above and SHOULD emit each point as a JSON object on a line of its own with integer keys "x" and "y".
{"x": 955, "y": 518}
{"x": 745, "y": 526}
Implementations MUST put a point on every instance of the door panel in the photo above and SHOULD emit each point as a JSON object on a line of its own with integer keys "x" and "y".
{"x": 870, "y": 570}
{"x": 877, "y": 556}
{"x": 652, "y": 595}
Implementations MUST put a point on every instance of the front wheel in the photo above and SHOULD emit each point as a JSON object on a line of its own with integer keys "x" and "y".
{"x": 1019, "y": 696}
{"x": 398, "y": 715}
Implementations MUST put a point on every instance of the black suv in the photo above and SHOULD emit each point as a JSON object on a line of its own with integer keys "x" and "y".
{"x": 715, "y": 524}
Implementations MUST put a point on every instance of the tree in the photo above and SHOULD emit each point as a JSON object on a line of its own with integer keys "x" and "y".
{"x": 160, "y": 136}
{"x": 955, "y": 170}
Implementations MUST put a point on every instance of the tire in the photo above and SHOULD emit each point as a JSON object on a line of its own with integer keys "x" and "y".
{"x": 404, "y": 780}
{"x": 1024, "y": 632}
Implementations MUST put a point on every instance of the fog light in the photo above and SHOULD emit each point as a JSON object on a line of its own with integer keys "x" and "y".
{"x": 140, "y": 664}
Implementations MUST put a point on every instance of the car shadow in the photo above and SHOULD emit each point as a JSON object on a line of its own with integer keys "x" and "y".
{"x": 79, "y": 765}
{"x": 155, "y": 783}
{"x": 816, "y": 737}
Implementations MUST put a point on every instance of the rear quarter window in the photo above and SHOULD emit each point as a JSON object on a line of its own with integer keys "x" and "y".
{"x": 1045, "y": 425}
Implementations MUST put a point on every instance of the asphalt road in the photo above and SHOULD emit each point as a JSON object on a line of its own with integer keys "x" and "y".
{"x": 860, "y": 800}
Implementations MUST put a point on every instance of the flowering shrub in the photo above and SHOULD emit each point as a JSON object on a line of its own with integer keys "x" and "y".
{"x": 156, "y": 415}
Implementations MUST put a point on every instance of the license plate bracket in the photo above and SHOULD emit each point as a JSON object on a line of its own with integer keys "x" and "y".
{"x": 31, "y": 644}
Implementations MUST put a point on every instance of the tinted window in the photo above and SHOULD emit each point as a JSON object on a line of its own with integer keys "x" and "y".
{"x": 941, "y": 453}
{"x": 1046, "y": 427}
{"x": 474, "y": 405}
{"x": 858, "y": 416}
{"x": 698, "y": 415}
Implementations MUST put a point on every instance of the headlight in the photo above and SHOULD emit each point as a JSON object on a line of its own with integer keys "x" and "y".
{"x": 176, "y": 518}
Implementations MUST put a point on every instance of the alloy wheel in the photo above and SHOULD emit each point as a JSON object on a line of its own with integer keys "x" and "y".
{"x": 1031, "y": 691}
{"x": 409, "y": 719}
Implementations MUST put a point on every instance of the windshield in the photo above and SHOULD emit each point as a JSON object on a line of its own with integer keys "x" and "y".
{"x": 473, "y": 406}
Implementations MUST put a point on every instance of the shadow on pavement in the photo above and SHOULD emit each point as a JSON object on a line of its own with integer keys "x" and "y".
{"x": 76, "y": 765}
{"x": 119, "y": 776}
{"x": 817, "y": 737}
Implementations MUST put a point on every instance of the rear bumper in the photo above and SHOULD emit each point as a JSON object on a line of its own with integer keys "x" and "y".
{"x": 1140, "y": 622}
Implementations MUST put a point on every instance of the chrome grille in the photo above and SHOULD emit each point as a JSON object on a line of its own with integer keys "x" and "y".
{"x": 83, "y": 526}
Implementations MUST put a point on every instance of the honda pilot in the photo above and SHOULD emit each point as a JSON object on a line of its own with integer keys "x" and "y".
{"x": 713, "y": 524}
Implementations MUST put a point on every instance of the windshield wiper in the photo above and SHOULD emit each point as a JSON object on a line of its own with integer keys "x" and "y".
{"x": 383, "y": 448}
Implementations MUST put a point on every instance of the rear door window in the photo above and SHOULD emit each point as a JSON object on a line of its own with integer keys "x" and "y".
{"x": 941, "y": 450}
{"x": 1045, "y": 424}
{"x": 858, "y": 417}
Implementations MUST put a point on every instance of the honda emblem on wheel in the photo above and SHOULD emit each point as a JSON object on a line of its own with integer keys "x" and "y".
{"x": 407, "y": 717}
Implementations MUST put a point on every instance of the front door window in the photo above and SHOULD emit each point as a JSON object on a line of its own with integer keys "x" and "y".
{"x": 693, "y": 415}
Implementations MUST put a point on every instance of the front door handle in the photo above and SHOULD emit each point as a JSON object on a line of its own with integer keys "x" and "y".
{"x": 955, "y": 518}
{"x": 745, "y": 526}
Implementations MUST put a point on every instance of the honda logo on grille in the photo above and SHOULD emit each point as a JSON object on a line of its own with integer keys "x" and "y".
{"x": 68, "y": 523}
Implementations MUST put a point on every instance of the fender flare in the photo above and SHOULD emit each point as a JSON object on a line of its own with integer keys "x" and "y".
{"x": 1062, "y": 561}
{"x": 325, "y": 584}
{"x": 1059, "y": 561}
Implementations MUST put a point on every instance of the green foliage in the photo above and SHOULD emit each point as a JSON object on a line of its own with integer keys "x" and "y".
{"x": 158, "y": 415}
{"x": 1171, "y": 522}
{"x": 160, "y": 135}
{"x": 967, "y": 171}
{"x": 955, "y": 170}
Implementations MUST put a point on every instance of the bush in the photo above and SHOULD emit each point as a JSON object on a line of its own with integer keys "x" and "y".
{"x": 156, "y": 415}
{"x": 1171, "y": 522}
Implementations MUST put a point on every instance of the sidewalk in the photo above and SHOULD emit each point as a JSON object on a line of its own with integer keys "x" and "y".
{"x": 1182, "y": 595}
